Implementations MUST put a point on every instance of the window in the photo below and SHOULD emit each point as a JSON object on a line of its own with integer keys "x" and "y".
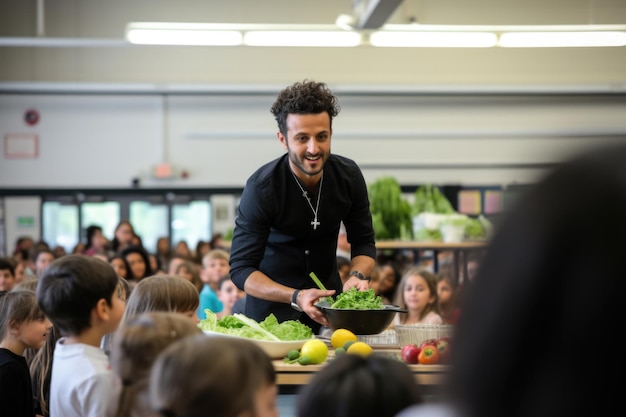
{"x": 150, "y": 222}
{"x": 60, "y": 224}
{"x": 104, "y": 214}
{"x": 191, "y": 222}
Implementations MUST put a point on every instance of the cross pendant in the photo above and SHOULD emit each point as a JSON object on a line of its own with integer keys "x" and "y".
{"x": 315, "y": 223}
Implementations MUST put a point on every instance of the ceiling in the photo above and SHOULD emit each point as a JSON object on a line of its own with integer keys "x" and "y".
{"x": 107, "y": 19}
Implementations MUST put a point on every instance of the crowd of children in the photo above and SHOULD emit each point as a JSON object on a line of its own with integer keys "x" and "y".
{"x": 113, "y": 313}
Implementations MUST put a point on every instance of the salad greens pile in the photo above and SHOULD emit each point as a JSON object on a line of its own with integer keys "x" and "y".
{"x": 358, "y": 300}
{"x": 268, "y": 329}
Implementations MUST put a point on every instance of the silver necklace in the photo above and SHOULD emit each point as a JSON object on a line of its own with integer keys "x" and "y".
{"x": 305, "y": 194}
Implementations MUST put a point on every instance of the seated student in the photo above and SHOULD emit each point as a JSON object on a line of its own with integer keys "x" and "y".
{"x": 352, "y": 385}
{"x": 214, "y": 266}
{"x": 22, "y": 326}
{"x": 79, "y": 294}
{"x": 163, "y": 293}
{"x": 41, "y": 259}
{"x": 136, "y": 345}
{"x": 228, "y": 294}
{"x": 447, "y": 297}
{"x": 553, "y": 274}
{"x": 187, "y": 379}
{"x": 7, "y": 275}
{"x": 417, "y": 293}
{"x": 191, "y": 272}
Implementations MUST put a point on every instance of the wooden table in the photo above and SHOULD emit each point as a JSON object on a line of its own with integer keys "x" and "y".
{"x": 296, "y": 374}
{"x": 290, "y": 377}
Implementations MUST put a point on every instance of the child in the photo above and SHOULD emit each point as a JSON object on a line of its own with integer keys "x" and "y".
{"x": 80, "y": 295}
{"x": 22, "y": 325}
{"x": 136, "y": 345}
{"x": 351, "y": 385}
{"x": 120, "y": 266}
{"x": 188, "y": 380}
{"x": 191, "y": 272}
{"x": 417, "y": 293}
{"x": 42, "y": 258}
{"x": 389, "y": 280}
{"x": 447, "y": 298}
{"x": 228, "y": 294}
{"x": 214, "y": 266}
{"x": 163, "y": 293}
{"x": 7, "y": 275}
{"x": 41, "y": 371}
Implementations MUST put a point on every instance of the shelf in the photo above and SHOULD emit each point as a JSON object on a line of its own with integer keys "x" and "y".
{"x": 401, "y": 244}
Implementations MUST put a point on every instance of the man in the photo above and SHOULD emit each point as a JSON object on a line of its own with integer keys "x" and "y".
{"x": 290, "y": 211}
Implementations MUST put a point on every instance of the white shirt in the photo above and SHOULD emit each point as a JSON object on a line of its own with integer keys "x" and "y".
{"x": 82, "y": 383}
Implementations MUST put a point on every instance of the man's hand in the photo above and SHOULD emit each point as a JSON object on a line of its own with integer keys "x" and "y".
{"x": 359, "y": 284}
{"x": 308, "y": 297}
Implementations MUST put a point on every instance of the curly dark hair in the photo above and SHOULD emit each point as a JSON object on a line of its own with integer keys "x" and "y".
{"x": 307, "y": 97}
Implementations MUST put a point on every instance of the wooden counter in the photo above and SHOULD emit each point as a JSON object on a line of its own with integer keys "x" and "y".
{"x": 296, "y": 374}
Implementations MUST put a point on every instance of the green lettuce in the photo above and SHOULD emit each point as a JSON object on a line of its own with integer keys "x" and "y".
{"x": 268, "y": 329}
{"x": 358, "y": 300}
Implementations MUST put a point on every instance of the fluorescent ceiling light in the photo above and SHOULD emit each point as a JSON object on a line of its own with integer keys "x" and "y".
{"x": 302, "y": 38}
{"x": 181, "y": 34}
{"x": 434, "y": 39}
{"x": 561, "y": 39}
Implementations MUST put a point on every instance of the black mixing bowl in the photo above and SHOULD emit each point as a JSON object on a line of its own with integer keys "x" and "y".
{"x": 360, "y": 322}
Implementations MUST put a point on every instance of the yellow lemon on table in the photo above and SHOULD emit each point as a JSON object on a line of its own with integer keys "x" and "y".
{"x": 340, "y": 337}
{"x": 360, "y": 348}
{"x": 315, "y": 350}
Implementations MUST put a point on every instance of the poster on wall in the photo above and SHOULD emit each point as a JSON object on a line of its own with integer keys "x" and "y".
{"x": 21, "y": 145}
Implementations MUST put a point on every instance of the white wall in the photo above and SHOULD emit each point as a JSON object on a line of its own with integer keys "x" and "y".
{"x": 14, "y": 209}
{"x": 103, "y": 141}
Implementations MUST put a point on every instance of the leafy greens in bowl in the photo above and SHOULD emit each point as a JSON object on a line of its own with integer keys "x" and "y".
{"x": 275, "y": 338}
{"x": 361, "y": 312}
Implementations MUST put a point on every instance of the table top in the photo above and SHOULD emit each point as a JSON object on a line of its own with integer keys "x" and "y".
{"x": 296, "y": 374}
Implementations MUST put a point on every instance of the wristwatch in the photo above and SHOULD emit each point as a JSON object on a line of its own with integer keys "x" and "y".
{"x": 294, "y": 301}
{"x": 359, "y": 275}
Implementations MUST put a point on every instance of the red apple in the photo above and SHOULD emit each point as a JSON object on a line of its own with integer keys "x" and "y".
{"x": 410, "y": 353}
{"x": 428, "y": 342}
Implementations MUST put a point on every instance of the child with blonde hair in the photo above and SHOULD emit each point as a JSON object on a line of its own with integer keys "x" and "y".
{"x": 163, "y": 293}
{"x": 136, "y": 345}
{"x": 417, "y": 293}
{"x": 214, "y": 266}
{"x": 187, "y": 379}
{"x": 22, "y": 325}
{"x": 80, "y": 295}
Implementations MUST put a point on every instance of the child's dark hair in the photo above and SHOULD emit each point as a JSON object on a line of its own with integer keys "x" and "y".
{"x": 222, "y": 280}
{"x": 364, "y": 386}
{"x": 307, "y": 97}
{"x": 8, "y": 265}
{"x": 71, "y": 287}
{"x": 18, "y": 307}
{"x": 226, "y": 387}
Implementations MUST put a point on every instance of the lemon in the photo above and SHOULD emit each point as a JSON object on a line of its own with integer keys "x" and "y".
{"x": 360, "y": 348}
{"x": 340, "y": 337}
{"x": 315, "y": 350}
